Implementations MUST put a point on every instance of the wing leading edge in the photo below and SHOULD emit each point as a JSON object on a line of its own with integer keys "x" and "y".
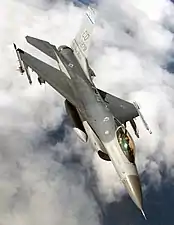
{"x": 56, "y": 78}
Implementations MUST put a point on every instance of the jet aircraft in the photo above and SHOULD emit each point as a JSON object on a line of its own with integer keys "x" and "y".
{"x": 98, "y": 117}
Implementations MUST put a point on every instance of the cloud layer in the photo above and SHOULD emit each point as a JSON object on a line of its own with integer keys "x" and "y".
{"x": 37, "y": 181}
{"x": 43, "y": 184}
{"x": 131, "y": 47}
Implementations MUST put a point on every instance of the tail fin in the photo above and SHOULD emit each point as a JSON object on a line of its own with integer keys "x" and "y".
{"x": 81, "y": 43}
{"x": 82, "y": 40}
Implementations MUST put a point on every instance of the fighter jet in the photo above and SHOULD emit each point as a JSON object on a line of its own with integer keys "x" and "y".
{"x": 98, "y": 117}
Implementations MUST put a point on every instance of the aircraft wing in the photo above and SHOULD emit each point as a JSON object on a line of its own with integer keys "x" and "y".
{"x": 122, "y": 110}
{"x": 56, "y": 78}
{"x": 81, "y": 42}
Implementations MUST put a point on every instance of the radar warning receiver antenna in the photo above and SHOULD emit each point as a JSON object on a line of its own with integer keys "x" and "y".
{"x": 142, "y": 117}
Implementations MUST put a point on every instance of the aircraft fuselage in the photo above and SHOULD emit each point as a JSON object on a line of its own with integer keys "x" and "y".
{"x": 102, "y": 129}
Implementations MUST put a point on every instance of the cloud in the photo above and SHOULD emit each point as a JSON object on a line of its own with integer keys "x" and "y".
{"x": 44, "y": 184}
{"x": 130, "y": 47}
{"x": 39, "y": 184}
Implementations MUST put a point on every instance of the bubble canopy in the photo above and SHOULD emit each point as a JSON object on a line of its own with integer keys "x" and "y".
{"x": 126, "y": 143}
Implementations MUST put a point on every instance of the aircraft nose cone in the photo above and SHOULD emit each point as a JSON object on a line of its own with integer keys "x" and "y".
{"x": 133, "y": 186}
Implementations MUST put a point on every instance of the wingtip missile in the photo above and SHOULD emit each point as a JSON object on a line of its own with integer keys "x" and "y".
{"x": 142, "y": 117}
{"x": 20, "y": 68}
{"x": 27, "y": 73}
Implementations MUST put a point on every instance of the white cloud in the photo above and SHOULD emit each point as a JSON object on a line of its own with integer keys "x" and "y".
{"x": 129, "y": 46}
{"x": 35, "y": 188}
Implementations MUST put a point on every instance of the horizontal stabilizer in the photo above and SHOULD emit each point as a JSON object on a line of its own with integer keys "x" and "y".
{"x": 56, "y": 78}
{"x": 43, "y": 46}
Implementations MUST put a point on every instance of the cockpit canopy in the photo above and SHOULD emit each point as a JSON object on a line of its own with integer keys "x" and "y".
{"x": 126, "y": 143}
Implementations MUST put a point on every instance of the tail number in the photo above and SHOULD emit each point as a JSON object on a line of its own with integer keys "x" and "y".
{"x": 85, "y": 37}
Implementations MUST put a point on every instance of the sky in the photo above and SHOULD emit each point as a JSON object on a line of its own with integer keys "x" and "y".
{"x": 47, "y": 176}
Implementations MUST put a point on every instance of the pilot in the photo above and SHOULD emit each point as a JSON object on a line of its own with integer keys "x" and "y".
{"x": 126, "y": 142}
{"x": 123, "y": 141}
{"x": 130, "y": 149}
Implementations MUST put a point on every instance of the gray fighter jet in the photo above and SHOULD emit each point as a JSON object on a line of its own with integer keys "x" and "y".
{"x": 98, "y": 117}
